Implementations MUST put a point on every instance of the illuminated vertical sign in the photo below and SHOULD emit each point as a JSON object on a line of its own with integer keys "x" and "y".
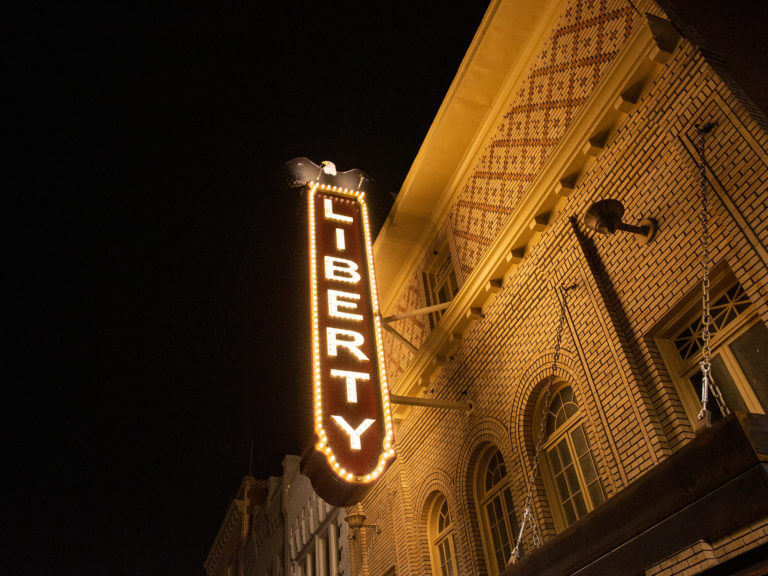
{"x": 352, "y": 419}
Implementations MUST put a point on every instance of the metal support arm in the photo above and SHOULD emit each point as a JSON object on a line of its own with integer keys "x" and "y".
{"x": 419, "y": 312}
{"x": 430, "y": 402}
{"x": 399, "y": 336}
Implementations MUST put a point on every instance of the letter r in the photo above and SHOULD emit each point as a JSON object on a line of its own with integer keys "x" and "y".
{"x": 349, "y": 339}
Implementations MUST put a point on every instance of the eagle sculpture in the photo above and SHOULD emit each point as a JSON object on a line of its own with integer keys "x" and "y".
{"x": 303, "y": 170}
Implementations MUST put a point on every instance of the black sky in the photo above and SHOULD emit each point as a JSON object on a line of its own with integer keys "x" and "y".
{"x": 154, "y": 266}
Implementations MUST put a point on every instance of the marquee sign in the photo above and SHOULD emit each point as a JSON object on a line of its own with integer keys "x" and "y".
{"x": 352, "y": 419}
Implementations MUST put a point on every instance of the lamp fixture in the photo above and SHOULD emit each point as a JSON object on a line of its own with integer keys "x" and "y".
{"x": 356, "y": 521}
{"x": 605, "y": 217}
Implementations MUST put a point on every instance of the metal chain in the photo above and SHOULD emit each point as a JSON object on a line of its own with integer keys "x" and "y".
{"x": 528, "y": 514}
{"x": 707, "y": 383}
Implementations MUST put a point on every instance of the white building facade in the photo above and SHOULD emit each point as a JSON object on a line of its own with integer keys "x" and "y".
{"x": 280, "y": 527}
{"x": 315, "y": 532}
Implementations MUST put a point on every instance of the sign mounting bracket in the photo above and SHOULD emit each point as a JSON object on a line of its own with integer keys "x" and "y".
{"x": 419, "y": 312}
{"x": 430, "y": 403}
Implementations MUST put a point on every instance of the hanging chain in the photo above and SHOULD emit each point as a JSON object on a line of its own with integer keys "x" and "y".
{"x": 528, "y": 514}
{"x": 707, "y": 383}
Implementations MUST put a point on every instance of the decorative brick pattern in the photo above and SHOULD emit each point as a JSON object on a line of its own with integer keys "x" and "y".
{"x": 586, "y": 38}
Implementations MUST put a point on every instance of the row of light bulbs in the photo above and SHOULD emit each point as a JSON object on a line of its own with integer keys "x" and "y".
{"x": 388, "y": 451}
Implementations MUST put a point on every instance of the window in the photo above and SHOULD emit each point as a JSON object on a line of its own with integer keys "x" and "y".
{"x": 441, "y": 542}
{"x": 440, "y": 280}
{"x": 571, "y": 471}
{"x": 497, "y": 512}
{"x": 739, "y": 345}
{"x": 325, "y": 552}
{"x": 340, "y": 544}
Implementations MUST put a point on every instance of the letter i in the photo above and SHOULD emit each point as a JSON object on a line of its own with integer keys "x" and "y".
{"x": 341, "y": 243}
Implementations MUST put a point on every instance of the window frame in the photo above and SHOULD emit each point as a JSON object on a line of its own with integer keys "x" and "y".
{"x": 687, "y": 311}
{"x": 564, "y": 431}
{"x": 483, "y": 497}
{"x": 437, "y": 537}
{"x": 432, "y": 289}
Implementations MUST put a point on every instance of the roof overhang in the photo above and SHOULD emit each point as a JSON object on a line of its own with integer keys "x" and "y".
{"x": 499, "y": 55}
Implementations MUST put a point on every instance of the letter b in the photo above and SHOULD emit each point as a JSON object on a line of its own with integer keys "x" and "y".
{"x": 341, "y": 269}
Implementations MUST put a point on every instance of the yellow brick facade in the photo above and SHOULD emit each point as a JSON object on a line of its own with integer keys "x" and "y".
{"x": 556, "y": 140}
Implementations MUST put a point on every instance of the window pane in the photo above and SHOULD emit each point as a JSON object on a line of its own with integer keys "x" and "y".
{"x": 510, "y": 509}
{"x": 579, "y": 441}
{"x": 554, "y": 461}
{"x": 550, "y": 424}
{"x": 326, "y": 556}
{"x": 501, "y": 525}
{"x": 499, "y": 533}
{"x": 581, "y": 507}
{"x": 495, "y": 471}
{"x": 449, "y": 566}
{"x": 512, "y": 520}
{"x": 443, "y": 518}
{"x": 557, "y": 402}
{"x": 573, "y": 480}
{"x": 570, "y": 514}
{"x": 562, "y": 488}
{"x": 452, "y": 281}
{"x": 565, "y": 454}
{"x": 338, "y": 545}
{"x": 588, "y": 468}
{"x": 441, "y": 286}
{"x": 446, "y": 558}
{"x": 727, "y": 387}
{"x": 500, "y": 561}
{"x": 688, "y": 342}
{"x": 596, "y": 493}
{"x": 751, "y": 351}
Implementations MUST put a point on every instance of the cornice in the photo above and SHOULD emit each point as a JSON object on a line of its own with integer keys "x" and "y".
{"x": 501, "y": 52}
{"x": 625, "y": 81}
{"x": 228, "y": 533}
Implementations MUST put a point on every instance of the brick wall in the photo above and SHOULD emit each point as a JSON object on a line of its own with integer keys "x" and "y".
{"x": 633, "y": 414}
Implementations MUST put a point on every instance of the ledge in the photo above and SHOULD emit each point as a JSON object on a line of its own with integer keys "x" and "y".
{"x": 712, "y": 486}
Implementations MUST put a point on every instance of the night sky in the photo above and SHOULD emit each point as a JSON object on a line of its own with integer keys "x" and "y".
{"x": 154, "y": 261}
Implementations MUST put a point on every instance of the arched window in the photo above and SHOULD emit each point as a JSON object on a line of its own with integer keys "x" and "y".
{"x": 497, "y": 513}
{"x": 441, "y": 544}
{"x": 573, "y": 482}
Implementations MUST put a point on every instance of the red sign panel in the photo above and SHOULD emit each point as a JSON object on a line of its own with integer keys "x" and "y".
{"x": 353, "y": 424}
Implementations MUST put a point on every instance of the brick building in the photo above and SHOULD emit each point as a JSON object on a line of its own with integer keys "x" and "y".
{"x": 556, "y": 105}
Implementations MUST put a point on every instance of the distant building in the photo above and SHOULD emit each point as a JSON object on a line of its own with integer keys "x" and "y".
{"x": 263, "y": 553}
{"x": 226, "y": 556}
{"x": 583, "y": 432}
{"x": 280, "y": 527}
{"x": 316, "y": 533}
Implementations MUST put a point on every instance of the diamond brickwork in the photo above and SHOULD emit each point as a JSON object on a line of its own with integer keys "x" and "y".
{"x": 587, "y": 37}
